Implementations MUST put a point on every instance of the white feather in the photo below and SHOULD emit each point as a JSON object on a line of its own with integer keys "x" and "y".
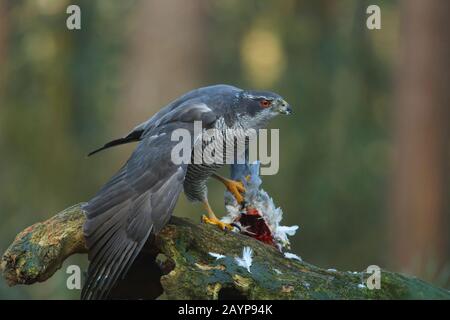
{"x": 290, "y": 231}
{"x": 292, "y": 256}
{"x": 277, "y": 271}
{"x": 246, "y": 260}
{"x": 233, "y": 213}
{"x": 216, "y": 255}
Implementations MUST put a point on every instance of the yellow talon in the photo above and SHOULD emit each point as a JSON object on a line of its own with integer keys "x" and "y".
{"x": 217, "y": 222}
{"x": 212, "y": 219}
{"x": 235, "y": 187}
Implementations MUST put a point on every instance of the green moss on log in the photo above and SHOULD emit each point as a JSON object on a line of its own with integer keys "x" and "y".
{"x": 189, "y": 272}
{"x": 39, "y": 250}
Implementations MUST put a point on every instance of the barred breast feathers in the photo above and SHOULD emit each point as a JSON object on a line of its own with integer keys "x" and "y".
{"x": 198, "y": 173}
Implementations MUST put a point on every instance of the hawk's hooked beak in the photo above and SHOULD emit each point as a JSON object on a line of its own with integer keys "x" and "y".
{"x": 283, "y": 107}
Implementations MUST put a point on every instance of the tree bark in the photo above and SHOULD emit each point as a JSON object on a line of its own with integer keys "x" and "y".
{"x": 176, "y": 264}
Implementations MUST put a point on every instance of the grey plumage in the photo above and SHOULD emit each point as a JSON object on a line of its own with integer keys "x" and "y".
{"x": 139, "y": 199}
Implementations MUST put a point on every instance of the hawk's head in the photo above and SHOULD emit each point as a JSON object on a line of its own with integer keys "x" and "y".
{"x": 261, "y": 106}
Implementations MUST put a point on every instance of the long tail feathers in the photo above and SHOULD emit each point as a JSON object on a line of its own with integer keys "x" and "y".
{"x": 132, "y": 137}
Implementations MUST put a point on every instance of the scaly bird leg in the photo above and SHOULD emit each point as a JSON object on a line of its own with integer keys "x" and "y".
{"x": 235, "y": 187}
{"x": 212, "y": 219}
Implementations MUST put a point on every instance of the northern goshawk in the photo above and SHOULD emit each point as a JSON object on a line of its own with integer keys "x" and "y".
{"x": 139, "y": 199}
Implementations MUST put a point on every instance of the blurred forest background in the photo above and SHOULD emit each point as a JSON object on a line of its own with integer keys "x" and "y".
{"x": 364, "y": 160}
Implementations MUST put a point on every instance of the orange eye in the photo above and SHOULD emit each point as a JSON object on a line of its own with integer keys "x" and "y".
{"x": 264, "y": 103}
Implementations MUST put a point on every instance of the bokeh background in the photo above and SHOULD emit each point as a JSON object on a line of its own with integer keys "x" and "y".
{"x": 364, "y": 160}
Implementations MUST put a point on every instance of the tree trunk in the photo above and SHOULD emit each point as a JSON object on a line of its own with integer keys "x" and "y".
{"x": 419, "y": 203}
{"x": 165, "y": 57}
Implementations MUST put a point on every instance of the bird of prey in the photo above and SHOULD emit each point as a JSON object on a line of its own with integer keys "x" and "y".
{"x": 139, "y": 199}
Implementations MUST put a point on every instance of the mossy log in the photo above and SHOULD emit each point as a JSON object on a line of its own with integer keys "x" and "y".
{"x": 176, "y": 264}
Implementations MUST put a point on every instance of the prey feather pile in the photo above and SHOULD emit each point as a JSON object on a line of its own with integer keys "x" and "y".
{"x": 258, "y": 216}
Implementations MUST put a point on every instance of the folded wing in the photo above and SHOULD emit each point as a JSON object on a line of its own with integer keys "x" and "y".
{"x": 139, "y": 199}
